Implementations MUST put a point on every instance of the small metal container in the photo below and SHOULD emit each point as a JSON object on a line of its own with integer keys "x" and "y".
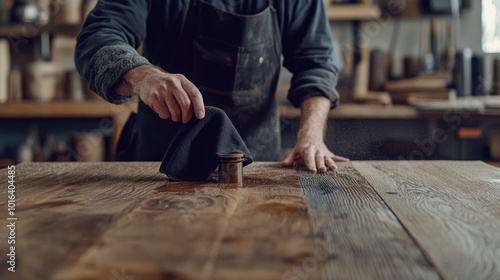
{"x": 231, "y": 168}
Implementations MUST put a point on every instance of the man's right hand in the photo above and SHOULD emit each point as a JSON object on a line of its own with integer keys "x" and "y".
{"x": 169, "y": 95}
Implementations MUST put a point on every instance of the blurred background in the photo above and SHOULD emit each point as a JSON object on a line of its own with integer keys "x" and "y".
{"x": 420, "y": 80}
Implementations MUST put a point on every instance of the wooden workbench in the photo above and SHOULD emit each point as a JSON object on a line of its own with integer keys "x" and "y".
{"x": 369, "y": 220}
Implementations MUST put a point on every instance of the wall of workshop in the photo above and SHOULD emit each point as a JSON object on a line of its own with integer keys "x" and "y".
{"x": 409, "y": 36}
{"x": 386, "y": 139}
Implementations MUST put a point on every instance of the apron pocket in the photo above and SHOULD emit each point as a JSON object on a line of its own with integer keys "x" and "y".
{"x": 215, "y": 64}
{"x": 256, "y": 67}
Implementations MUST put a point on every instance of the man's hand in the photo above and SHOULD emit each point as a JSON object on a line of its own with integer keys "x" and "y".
{"x": 169, "y": 95}
{"x": 314, "y": 154}
{"x": 310, "y": 148}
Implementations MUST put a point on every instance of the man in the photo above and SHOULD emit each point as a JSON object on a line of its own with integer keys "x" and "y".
{"x": 219, "y": 53}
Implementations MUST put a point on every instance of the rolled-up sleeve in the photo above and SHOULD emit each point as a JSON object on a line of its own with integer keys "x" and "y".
{"x": 308, "y": 51}
{"x": 106, "y": 46}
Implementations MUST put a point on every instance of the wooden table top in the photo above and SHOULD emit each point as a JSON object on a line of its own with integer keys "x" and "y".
{"x": 369, "y": 220}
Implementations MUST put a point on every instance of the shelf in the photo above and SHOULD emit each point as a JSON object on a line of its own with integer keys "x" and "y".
{"x": 353, "y": 12}
{"x": 30, "y": 30}
{"x": 102, "y": 109}
{"x": 359, "y": 111}
{"x": 393, "y": 112}
{"x": 62, "y": 109}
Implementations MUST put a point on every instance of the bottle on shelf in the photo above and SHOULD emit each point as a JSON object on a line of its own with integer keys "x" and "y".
{"x": 4, "y": 70}
{"x": 4, "y": 12}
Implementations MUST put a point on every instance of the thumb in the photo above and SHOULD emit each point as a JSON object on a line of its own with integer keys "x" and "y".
{"x": 289, "y": 160}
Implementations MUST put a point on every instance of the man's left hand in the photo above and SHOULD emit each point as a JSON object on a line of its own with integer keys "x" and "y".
{"x": 313, "y": 153}
{"x": 310, "y": 148}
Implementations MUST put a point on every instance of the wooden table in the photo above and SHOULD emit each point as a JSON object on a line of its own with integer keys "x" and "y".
{"x": 369, "y": 220}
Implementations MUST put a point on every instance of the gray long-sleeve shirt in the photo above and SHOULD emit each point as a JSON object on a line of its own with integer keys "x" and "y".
{"x": 106, "y": 46}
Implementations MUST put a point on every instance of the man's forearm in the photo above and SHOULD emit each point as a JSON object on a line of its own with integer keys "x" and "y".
{"x": 314, "y": 113}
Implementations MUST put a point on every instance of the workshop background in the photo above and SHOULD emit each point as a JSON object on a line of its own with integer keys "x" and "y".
{"x": 420, "y": 80}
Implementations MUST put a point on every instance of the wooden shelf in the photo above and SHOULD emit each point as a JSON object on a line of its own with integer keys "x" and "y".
{"x": 359, "y": 111}
{"x": 30, "y": 30}
{"x": 62, "y": 109}
{"x": 353, "y": 11}
{"x": 392, "y": 112}
{"x": 102, "y": 109}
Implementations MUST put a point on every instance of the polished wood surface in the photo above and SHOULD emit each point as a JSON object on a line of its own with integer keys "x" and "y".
{"x": 368, "y": 220}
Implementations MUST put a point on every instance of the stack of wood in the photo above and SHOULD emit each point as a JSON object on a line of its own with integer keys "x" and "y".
{"x": 423, "y": 87}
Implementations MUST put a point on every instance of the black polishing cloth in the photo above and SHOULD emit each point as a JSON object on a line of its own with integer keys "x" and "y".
{"x": 192, "y": 154}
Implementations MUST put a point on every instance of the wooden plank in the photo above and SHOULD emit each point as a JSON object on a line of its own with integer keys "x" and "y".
{"x": 84, "y": 184}
{"x": 353, "y": 12}
{"x": 63, "y": 215}
{"x": 453, "y": 216}
{"x": 476, "y": 170}
{"x": 36, "y": 185}
{"x": 362, "y": 236}
{"x": 418, "y": 84}
{"x": 182, "y": 230}
{"x": 358, "y": 111}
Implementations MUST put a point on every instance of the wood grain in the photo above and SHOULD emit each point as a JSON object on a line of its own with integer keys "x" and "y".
{"x": 452, "y": 210}
{"x": 369, "y": 220}
{"x": 359, "y": 230}
{"x": 100, "y": 220}
{"x": 63, "y": 209}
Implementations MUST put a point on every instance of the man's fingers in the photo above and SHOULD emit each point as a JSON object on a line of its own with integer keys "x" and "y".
{"x": 309, "y": 159}
{"x": 195, "y": 97}
{"x": 320, "y": 162}
{"x": 339, "y": 158}
{"x": 289, "y": 160}
{"x": 161, "y": 109}
{"x": 330, "y": 163}
{"x": 185, "y": 105}
{"x": 173, "y": 107}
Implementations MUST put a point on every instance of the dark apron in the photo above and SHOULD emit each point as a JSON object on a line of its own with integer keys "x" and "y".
{"x": 234, "y": 60}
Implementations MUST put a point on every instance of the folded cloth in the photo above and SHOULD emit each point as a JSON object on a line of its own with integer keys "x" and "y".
{"x": 192, "y": 154}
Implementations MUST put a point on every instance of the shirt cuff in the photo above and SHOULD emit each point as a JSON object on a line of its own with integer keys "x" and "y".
{"x": 314, "y": 82}
{"x": 108, "y": 66}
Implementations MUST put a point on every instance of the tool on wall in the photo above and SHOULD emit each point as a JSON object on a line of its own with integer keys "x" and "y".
{"x": 462, "y": 71}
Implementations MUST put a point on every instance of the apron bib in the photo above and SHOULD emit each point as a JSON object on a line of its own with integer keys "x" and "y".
{"x": 234, "y": 60}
